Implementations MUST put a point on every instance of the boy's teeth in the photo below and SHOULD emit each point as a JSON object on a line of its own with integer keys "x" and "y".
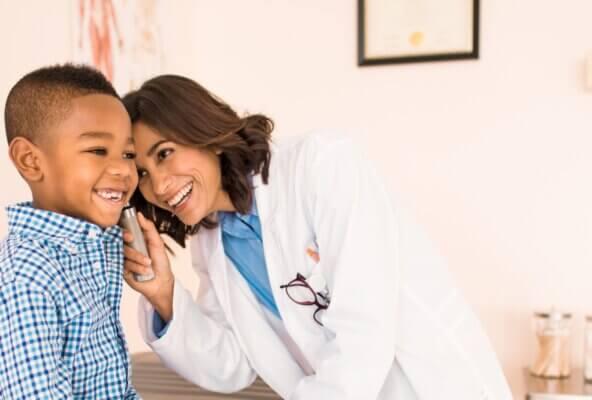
{"x": 110, "y": 194}
{"x": 181, "y": 195}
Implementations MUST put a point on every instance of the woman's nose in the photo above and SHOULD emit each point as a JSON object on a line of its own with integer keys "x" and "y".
{"x": 160, "y": 183}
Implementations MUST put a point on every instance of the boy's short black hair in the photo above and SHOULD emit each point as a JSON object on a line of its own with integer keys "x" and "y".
{"x": 43, "y": 97}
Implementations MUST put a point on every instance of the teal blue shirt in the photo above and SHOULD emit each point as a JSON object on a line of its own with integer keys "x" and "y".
{"x": 243, "y": 245}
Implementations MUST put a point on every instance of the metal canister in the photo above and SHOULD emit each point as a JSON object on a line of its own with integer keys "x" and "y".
{"x": 553, "y": 331}
{"x": 588, "y": 350}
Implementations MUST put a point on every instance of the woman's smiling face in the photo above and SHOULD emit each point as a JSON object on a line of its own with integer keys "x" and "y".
{"x": 182, "y": 179}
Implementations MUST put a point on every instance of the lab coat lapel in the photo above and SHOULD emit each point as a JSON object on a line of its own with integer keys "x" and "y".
{"x": 261, "y": 344}
{"x": 212, "y": 249}
{"x": 267, "y": 208}
{"x": 282, "y": 265}
{"x": 213, "y": 253}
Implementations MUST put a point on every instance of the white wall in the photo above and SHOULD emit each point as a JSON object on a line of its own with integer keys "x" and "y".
{"x": 492, "y": 155}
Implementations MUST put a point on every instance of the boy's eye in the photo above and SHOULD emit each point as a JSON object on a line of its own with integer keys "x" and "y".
{"x": 164, "y": 153}
{"x": 98, "y": 151}
{"x": 130, "y": 155}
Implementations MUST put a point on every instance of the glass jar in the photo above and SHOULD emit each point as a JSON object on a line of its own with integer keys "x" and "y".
{"x": 552, "y": 331}
{"x": 588, "y": 350}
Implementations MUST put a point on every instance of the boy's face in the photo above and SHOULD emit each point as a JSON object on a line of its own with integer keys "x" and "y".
{"x": 88, "y": 162}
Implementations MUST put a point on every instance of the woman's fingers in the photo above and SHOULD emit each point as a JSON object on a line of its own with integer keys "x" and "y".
{"x": 135, "y": 263}
{"x": 156, "y": 248}
{"x": 128, "y": 237}
{"x": 128, "y": 277}
{"x": 136, "y": 257}
{"x": 150, "y": 233}
{"x": 159, "y": 290}
{"x": 135, "y": 268}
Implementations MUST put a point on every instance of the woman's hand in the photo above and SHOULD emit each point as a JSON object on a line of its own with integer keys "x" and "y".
{"x": 159, "y": 290}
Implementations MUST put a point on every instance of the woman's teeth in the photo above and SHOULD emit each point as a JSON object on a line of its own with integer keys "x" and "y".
{"x": 110, "y": 195}
{"x": 181, "y": 195}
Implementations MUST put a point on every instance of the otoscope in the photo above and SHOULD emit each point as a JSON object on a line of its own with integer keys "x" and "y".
{"x": 129, "y": 221}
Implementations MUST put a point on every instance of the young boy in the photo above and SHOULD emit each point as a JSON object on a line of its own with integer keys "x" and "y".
{"x": 61, "y": 263}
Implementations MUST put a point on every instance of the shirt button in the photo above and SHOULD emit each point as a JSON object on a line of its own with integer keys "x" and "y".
{"x": 72, "y": 247}
{"x": 96, "y": 265}
{"x": 92, "y": 235}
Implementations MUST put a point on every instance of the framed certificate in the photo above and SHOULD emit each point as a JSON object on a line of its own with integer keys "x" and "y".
{"x": 404, "y": 31}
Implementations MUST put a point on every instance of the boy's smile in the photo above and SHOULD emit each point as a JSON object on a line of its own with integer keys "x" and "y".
{"x": 88, "y": 161}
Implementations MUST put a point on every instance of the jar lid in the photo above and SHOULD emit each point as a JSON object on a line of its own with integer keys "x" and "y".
{"x": 555, "y": 315}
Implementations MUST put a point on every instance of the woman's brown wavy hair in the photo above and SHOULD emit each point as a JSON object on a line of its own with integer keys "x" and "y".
{"x": 184, "y": 112}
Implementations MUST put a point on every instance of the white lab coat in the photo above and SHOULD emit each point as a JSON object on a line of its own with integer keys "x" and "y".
{"x": 397, "y": 328}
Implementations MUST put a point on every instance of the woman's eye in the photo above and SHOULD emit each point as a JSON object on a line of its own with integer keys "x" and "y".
{"x": 98, "y": 152}
{"x": 129, "y": 155}
{"x": 164, "y": 153}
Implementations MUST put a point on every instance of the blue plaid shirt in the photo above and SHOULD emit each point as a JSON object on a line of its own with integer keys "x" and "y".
{"x": 60, "y": 292}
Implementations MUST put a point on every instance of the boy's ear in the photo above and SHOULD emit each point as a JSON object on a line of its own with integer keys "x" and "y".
{"x": 25, "y": 155}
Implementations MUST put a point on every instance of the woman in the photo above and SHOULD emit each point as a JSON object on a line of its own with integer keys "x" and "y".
{"x": 308, "y": 278}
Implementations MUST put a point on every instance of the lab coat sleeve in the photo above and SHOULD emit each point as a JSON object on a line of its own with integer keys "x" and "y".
{"x": 199, "y": 344}
{"x": 355, "y": 230}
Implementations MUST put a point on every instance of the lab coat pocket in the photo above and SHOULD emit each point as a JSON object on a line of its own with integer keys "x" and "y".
{"x": 308, "y": 289}
{"x": 315, "y": 276}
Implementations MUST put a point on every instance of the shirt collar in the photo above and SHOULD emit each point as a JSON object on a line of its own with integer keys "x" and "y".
{"x": 27, "y": 221}
{"x": 230, "y": 224}
{"x": 222, "y": 215}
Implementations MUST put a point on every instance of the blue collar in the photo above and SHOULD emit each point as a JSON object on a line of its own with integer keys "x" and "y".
{"x": 241, "y": 225}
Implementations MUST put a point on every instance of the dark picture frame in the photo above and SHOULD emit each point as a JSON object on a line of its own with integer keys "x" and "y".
{"x": 426, "y": 35}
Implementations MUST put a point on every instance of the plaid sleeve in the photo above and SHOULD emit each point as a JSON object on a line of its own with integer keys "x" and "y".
{"x": 30, "y": 345}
